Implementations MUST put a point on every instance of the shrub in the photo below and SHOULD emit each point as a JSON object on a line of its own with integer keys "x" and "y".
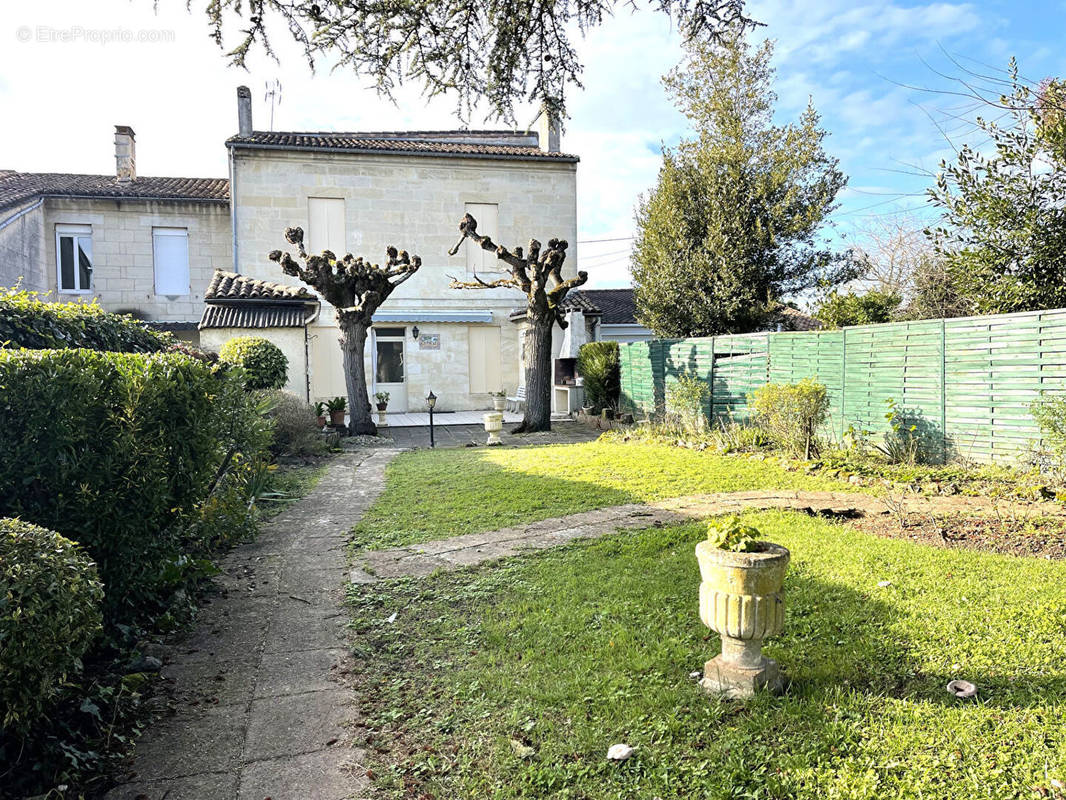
{"x": 686, "y": 403}
{"x": 49, "y": 615}
{"x": 791, "y": 414}
{"x": 116, "y": 451}
{"x": 295, "y": 428}
{"x": 264, "y": 365}
{"x": 26, "y": 321}
{"x": 597, "y": 364}
{"x": 839, "y": 310}
{"x": 1050, "y": 415}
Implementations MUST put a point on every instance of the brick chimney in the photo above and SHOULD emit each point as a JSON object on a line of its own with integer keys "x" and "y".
{"x": 244, "y": 111}
{"x": 125, "y": 154}
{"x": 548, "y": 130}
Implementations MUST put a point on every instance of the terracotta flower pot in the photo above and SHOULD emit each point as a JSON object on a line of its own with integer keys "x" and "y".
{"x": 321, "y": 421}
{"x": 741, "y": 599}
{"x": 336, "y": 417}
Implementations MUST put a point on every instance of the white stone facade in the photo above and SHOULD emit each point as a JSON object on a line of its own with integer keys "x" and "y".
{"x": 123, "y": 266}
{"x": 414, "y": 202}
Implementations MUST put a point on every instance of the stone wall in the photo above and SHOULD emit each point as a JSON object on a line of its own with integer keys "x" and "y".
{"x": 123, "y": 269}
{"x": 290, "y": 340}
{"x": 21, "y": 250}
{"x": 444, "y": 371}
{"x": 412, "y": 202}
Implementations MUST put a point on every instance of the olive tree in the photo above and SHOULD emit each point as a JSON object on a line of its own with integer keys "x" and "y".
{"x": 356, "y": 289}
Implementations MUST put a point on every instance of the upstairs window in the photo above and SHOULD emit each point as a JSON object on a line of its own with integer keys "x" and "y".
{"x": 74, "y": 258}
{"x": 170, "y": 254}
{"x": 325, "y": 218}
{"x": 478, "y": 259}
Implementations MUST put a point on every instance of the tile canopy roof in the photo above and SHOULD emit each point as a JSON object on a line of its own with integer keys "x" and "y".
{"x": 18, "y": 188}
{"x": 232, "y": 286}
{"x": 475, "y": 144}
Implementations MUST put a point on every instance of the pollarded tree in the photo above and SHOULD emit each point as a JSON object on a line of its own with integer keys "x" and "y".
{"x": 356, "y": 289}
{"x": 731, "y": 227}
{"x": 540, "y": 275}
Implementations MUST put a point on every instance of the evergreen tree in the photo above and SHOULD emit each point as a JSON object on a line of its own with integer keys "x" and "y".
{"x": 1003, "y": 237}
{"x": 730, "y": 228}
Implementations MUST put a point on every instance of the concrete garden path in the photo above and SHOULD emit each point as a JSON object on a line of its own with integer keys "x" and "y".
{"x": 470, "y": 549}
{"x": 261, "y": 705}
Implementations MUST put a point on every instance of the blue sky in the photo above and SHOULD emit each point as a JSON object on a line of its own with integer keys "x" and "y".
{"x": 62, "y": 97}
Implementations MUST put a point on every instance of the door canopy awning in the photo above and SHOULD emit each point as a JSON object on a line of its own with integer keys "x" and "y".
{"x": 433, "y": 316}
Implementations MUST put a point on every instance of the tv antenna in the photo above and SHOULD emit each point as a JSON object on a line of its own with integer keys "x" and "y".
{"x": 273, "y": 96}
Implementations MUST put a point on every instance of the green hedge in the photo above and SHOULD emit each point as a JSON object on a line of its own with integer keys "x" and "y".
{"x": 597, "y": 363}
{"x": 117, "y": 451}
{"x": 26, "y": 321}
{"x": 264, "y": 365}
{"x": 49, "y": 615}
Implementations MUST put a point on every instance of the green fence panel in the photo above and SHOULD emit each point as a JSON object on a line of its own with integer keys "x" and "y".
{"x": 965, "y": 385}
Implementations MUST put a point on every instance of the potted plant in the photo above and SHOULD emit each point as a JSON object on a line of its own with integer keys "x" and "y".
{"x": 382, "y": 399}
{"x": 741, "y": 599}
{"x": 499, "y": 401}
{"x": 336, "y": 408}
{"x": 320, "y": 413}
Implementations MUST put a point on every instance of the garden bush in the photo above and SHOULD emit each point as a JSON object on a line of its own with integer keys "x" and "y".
{"x": 49, "y": 615}
{"x": 598, "y": 365}
{"x": 791, "y": 414}
{"x": 27, "y": 321}
{"x": 686, "y": 403}
{"x": 295, "y": 429}
{"x": 117, "y": 451}
{"x": 1050, "y": 415}
{"x": 264, "y": 365}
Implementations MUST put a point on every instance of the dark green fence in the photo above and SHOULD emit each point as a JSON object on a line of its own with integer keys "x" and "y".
{"x": 965, "y": 384}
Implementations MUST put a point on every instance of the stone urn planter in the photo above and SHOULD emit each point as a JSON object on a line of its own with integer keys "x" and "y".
{"x": 493, "y": 426}
{"x": 741, "y": 599}
{"x": 498, "y": 402}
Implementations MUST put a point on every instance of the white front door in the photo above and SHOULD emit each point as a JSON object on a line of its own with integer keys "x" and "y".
{"x": 390, "y": 369}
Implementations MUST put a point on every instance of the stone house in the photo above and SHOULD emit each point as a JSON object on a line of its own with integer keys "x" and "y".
{"x": 160, "y": 248}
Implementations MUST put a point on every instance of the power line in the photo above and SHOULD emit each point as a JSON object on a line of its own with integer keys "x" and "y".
{"x": 594, "y": 241}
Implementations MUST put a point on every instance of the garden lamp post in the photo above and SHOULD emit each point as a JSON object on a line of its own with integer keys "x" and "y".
{"x": 431, "y": 400}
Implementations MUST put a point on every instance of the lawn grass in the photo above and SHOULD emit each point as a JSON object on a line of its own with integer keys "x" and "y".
{"x": 569, "y": 651}
{"x": 434, "y": 494}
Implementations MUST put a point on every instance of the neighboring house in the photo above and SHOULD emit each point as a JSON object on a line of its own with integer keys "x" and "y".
{"x": 618, "y": 315}
{"x": 151, "y": 246}
{"x": 143, "y": 245}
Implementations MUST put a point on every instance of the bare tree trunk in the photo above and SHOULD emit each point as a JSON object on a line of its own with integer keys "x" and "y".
{"x": 353, "y": 345}
{"x": 539, "y": 377}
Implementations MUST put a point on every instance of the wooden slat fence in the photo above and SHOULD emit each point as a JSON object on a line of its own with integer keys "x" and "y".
{"x": 967, "y": 384}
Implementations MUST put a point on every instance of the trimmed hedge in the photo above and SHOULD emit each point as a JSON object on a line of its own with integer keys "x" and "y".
{"x": 264, "y": 365}
{"x": 49, "y": 615}
{"x": 598, "y": 364}
{"x": 26, "y": 321}
{"x": 117, "y": 451}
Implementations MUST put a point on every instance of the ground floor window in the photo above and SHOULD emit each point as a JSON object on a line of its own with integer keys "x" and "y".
{"x": 74, "y": 258}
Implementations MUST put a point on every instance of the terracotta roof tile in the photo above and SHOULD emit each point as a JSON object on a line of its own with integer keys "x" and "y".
{"x": 232, "y": 286}
{"x": 491, "y": 144}
{"x": 17, "y": 188}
